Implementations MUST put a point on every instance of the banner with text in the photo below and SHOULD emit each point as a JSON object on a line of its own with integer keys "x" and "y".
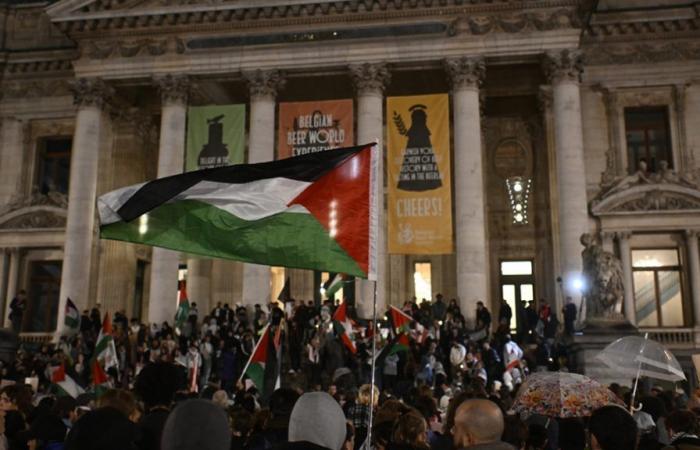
{"x": 215, "y": 136}
{"x": 309, "y": 127}
{"x": 419, "y": 180}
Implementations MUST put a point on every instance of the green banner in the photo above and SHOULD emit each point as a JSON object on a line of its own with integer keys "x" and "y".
{"x": 215, "y": 136}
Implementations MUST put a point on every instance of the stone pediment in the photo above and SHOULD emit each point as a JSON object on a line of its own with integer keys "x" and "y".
{"x": 657, "y": 197}
{"x": 33, "y": 217}
{"x": 35, "y": 210}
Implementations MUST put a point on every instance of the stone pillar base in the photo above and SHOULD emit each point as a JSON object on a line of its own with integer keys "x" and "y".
{"x": 595, "y": 336}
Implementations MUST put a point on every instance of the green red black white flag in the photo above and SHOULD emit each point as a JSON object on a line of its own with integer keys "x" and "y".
{"x": 316, "y": 211}
{"x": 342, "y": 324}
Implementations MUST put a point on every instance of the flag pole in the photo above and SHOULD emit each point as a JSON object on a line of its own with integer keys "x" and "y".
{"x": 378, "y": 184}
{"x": 374, "y": 360}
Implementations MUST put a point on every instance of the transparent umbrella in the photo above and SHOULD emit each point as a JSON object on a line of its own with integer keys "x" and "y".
{"x": 636, "y": 356}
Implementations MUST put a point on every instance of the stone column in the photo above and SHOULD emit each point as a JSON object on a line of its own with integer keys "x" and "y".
{"x": 623, "y": 240}
{"x": 563, "y": 69}
{"x": 691, "y": 241}
{"x": 90, "y": 97}
{"x": 162, "y": 303}
{"x": 470, "y": 219}
{"x": 369, "y": 81}
{"x": 263, "y": 86}
{"x": 199, "y": 284}
{"x": 12, "y": 137}
{"x": 12, "y": 280}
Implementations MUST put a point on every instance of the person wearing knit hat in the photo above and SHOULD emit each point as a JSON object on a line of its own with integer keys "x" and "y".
{"x": 196, "y": 425}
{"x": 317, "y": 421}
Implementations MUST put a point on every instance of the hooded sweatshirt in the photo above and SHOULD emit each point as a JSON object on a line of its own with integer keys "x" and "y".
{"x": 317, "y": 419}
{"x": 196, "y": 425}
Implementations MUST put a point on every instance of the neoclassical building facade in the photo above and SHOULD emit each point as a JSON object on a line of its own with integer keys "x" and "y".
{"x": 593, "y": 106}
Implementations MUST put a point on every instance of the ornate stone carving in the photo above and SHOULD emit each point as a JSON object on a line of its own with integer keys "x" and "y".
{"x": 603, "y": 276}
{"x": 544, "y": 99}
{"x": 665, "y": 175}
{"x": 36, "y": 198}
{"x": 640, "y": 53}
{"x": 130, "y": 49}
{"x": 36, "y": 219}
{"x": 173, "y": 88}
{"x": 264, "y": 83}
{"x": 370, "y": 77}
{"x": 564, "y": 65}
{"x": 515, "y": 22}
{"x": 41, "y": 66}
{"x": 91, "y": 92}
{"x": 657, "y": 200}
{"x": 465, "y": 72}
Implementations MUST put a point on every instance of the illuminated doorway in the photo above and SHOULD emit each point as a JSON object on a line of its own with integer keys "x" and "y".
{"x": 517, "y": 286}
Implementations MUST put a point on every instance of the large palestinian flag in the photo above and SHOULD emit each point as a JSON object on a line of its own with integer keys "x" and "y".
{"x": 315, "y": 211}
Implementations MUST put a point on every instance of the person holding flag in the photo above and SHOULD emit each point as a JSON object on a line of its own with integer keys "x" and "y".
{"x": 263, "y": 364}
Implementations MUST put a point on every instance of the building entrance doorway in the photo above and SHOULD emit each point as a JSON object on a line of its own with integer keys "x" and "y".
{"x": 517, "y": 286}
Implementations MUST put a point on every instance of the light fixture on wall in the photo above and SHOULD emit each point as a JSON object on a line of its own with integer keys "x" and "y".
{"x": 518, "y": 194}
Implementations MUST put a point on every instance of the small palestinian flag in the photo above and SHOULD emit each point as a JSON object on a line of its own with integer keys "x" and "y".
{"x": 400, "y": 344}
{"x": 315, "y": 211}
{"x": 183, "y": 308}
{"x": 105, "y": 350}
{"x": 335, "y": 284}
{"x": 255, "y": 368}
{"x": 342, "y": 324}
{"x": 72, "y": 320}
{"x": 400, "y": 321}
{"x": 63, "y": 385}
{"x": 100, "y": 380}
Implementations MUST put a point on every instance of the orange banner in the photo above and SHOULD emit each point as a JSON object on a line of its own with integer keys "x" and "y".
{"x": 309, "y": 127}
{"x": 419, "y": 175}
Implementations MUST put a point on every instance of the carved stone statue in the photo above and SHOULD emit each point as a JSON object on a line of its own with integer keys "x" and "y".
{"x": 667, "y": 175}
{"x": 639, "y": 177}
{"x": 602, "y": 272}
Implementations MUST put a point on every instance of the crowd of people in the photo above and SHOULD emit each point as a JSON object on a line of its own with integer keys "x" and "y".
{"x": 448, "y": 385}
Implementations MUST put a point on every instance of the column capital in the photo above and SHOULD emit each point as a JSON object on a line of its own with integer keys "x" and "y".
{"x": 91, "y": 92}
{"x": 623, "y": 235}
{"x": 692, "y": 233}
{"x": 465, "y": 72}
{"x": 607, "y": 235}
{"x": 369, "y": 77}
{"x": 174, "y": 89}
{"x": 563, "y": 65}
{"x": 264, "y": 83}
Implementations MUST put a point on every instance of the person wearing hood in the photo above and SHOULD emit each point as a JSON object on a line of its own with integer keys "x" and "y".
{"x": 317, "y": 423}
{"x": 196, "y": 425}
